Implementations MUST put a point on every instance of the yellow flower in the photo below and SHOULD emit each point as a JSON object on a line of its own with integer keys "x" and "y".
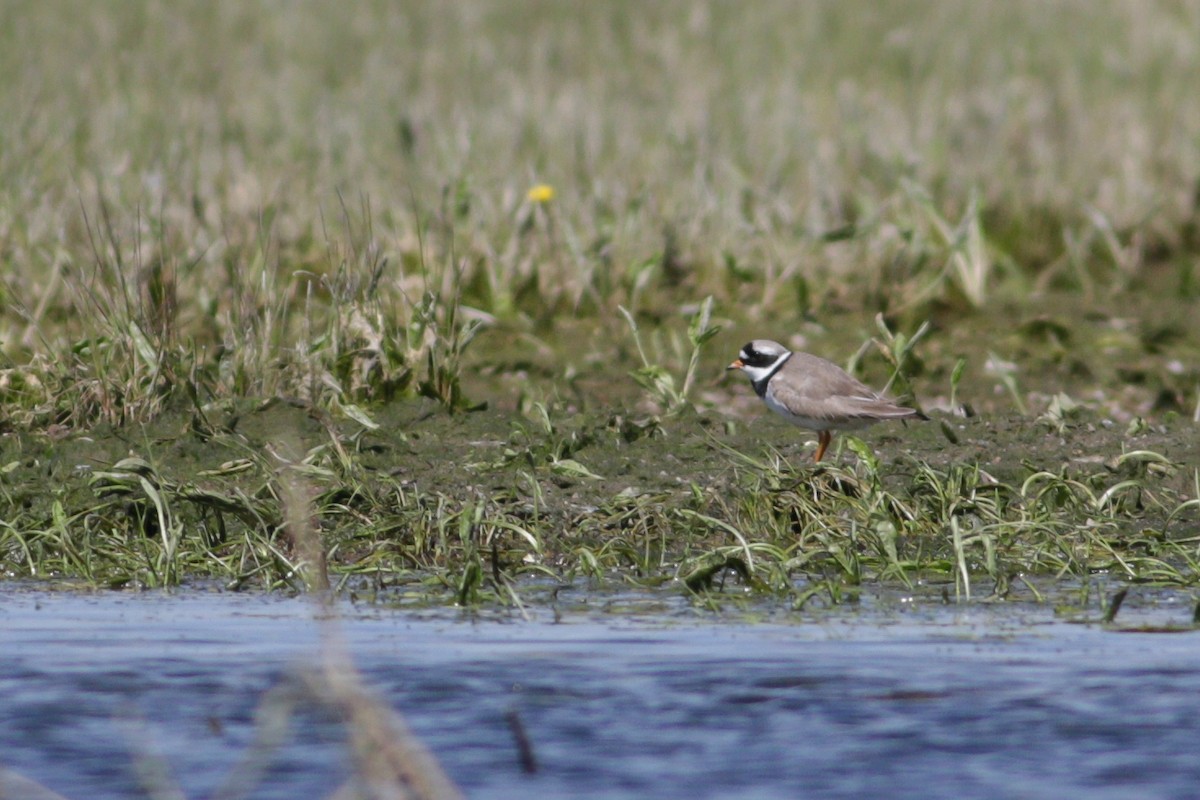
{"x": 542, "y": 193}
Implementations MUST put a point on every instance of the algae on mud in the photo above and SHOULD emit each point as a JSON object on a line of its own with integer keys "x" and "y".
{"x": 472, "y": 500}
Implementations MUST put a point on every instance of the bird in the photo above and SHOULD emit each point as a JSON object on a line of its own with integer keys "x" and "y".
{"x": 813, "y": 393}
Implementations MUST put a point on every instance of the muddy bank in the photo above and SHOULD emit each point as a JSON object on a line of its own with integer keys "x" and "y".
{"x": 467, "y": 499}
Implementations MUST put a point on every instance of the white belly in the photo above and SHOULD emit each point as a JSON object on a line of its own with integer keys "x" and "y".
{"x": 815, "y": 423}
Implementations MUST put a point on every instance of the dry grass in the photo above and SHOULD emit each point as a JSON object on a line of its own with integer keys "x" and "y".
{"x": 249, "y": 186}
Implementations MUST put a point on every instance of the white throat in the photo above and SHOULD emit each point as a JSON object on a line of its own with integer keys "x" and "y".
{"x": 758, "y": 374}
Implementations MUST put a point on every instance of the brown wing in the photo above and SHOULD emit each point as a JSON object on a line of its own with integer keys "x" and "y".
{"x": 822, "y": 390}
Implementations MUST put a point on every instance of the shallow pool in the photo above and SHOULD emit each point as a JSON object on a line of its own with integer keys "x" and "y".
{"x": 617, "y": 699}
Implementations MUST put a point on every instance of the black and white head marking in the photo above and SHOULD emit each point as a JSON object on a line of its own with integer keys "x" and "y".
{"x": 761, "y": 359}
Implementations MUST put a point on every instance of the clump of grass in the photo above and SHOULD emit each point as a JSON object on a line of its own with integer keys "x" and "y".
{"x": 333, "y": 337}
{"x": 898, "y": 349}
{"x": 850, "y": 524}
{"x": 961, "y": 258}
{"x": 657, "y": 381}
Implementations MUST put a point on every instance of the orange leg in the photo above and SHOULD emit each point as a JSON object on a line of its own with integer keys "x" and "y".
{"x": 823, "y": 440}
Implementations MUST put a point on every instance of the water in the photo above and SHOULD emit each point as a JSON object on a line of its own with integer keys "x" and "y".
{"x": 928, "y": 701}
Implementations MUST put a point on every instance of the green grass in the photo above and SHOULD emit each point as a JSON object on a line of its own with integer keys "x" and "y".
{"x": 228, "y": 231}
{"x": 468, "y": 507}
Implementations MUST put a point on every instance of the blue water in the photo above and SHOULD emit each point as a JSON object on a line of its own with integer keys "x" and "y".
{"x": 895, "y": 700}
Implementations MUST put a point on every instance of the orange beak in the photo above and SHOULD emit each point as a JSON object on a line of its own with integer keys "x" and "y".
{"x": 737, "y": 364}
